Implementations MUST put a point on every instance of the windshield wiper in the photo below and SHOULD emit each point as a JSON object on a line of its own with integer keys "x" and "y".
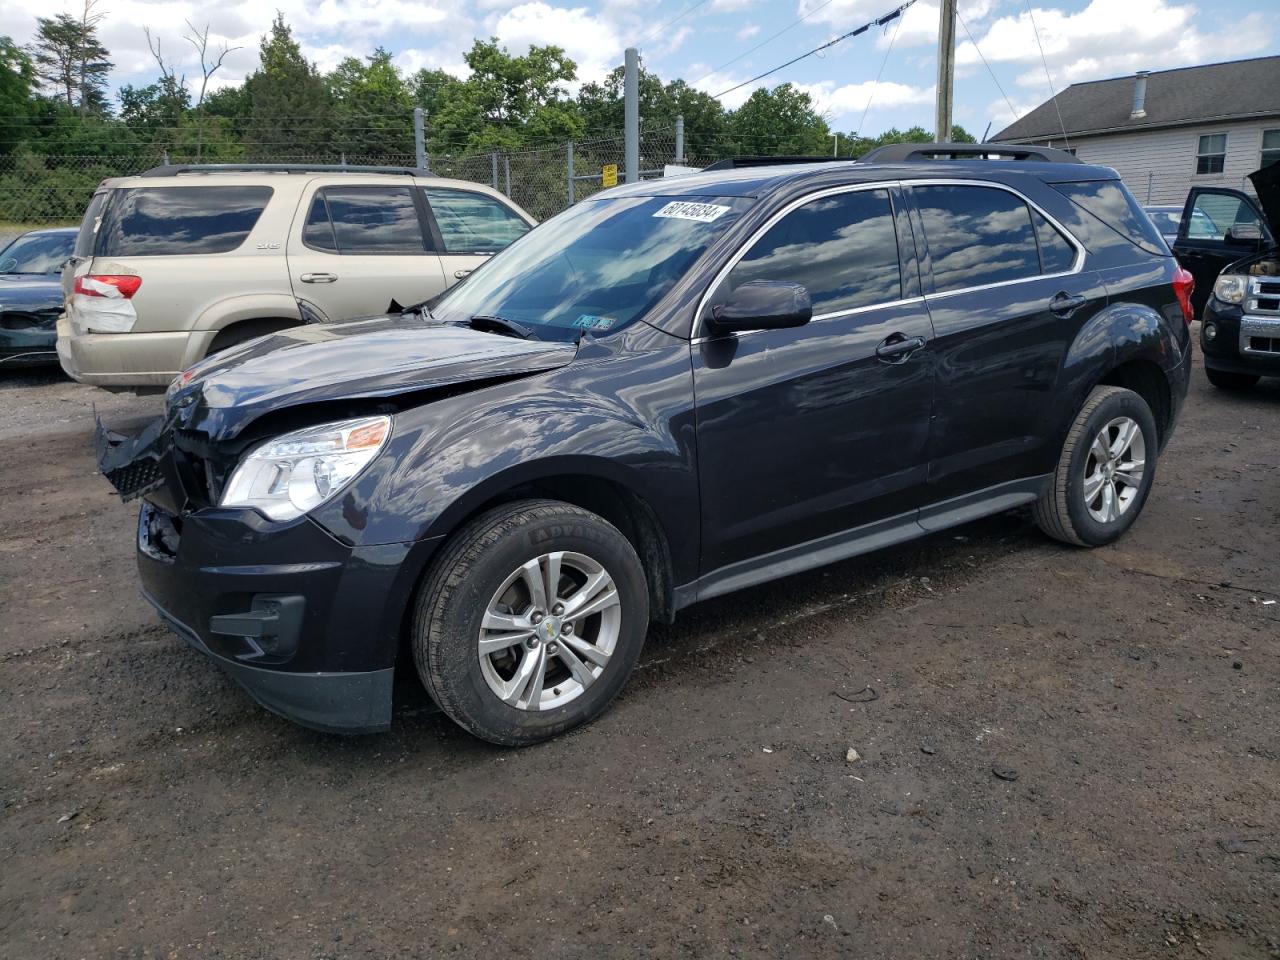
{"x": 492, "y": 324}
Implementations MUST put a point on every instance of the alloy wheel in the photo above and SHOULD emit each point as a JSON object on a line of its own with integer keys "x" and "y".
{"x": 1114, "y": 469}
{"x": 549, "y": 631}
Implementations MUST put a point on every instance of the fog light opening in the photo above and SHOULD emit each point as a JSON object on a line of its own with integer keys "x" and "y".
{"x": 1210, "y": 331}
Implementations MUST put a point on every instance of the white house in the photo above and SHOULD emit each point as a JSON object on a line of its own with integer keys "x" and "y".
{"x": 1170, "y": 130}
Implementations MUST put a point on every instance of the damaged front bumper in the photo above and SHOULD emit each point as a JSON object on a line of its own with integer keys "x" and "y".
{"x": 308, "y": 624}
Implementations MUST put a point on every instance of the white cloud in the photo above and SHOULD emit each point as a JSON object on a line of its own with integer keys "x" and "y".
{"x": 1109, "y": 39}
{"x": 590, "y": 40}
{"x": 725, "y": 5}
{"x": 749, "y": 31}
{"x": 845, "y": 104}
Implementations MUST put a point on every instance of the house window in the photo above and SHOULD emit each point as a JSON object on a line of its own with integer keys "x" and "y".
{"x": 1212, "y": 153}
{"x": 1270, "y": 147}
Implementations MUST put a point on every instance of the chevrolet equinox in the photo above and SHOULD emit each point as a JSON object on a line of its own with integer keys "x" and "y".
{"x": 670, "y": 391}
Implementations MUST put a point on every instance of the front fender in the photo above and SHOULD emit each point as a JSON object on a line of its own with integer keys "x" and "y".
{"x": 626, "y": 419}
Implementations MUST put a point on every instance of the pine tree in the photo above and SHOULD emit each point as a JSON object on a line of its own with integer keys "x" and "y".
{"x": 69, "y": 58}
{"x": 289, "y": 105}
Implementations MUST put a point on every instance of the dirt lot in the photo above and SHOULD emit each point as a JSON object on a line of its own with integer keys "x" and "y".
{"x": 1064, "y": 753}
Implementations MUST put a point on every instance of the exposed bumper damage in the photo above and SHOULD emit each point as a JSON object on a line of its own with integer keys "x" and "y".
{"x": 135, "y": 464}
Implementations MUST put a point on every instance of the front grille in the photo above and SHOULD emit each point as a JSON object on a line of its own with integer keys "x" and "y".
{"x": 22, "y": 320}
{"x": 1260, "y": 335}
{"x": 1267, "y": 287}
{"x": 1263, "y": 296}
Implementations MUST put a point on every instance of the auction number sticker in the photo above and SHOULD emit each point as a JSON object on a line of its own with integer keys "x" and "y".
{"x": 684, "y": 210}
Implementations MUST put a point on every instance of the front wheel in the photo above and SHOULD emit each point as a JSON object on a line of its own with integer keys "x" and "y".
{"x": 530, "y": 621}
{"x": 1104, "y": 472}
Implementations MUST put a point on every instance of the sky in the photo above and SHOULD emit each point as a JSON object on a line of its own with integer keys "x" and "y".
{"x": 880, "y": 79}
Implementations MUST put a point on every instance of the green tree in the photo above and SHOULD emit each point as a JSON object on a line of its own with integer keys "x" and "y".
{"x": 507, "y": 102}
{"x": 288, "y": 104}
{"x": 17, "y": 78}
{"x": 70, "y": 60}
{"x": 853, "y": 145}
{"x": 780, "y": 121}
{"x": 372, "y": 107}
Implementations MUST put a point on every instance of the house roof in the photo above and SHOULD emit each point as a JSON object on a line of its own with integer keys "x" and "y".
{"x": 1189, "y": 95}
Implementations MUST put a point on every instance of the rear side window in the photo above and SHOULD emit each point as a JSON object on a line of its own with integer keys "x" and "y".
{"x": 149, "y": 221}
{"x": 1111, "y": 203}
{"x": 89, "y": 225}
{"x": 1057, "y": 255}
{"x": 363, "y": 220}
{"x": 472, "y": 222}
{"x": 976, "y": 236}
{"x": 843, "y": 248}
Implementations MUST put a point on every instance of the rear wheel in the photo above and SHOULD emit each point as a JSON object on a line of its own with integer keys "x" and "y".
{"x": 1224, "y": 380}
{"x": 530, "y": 621}
{"x": 1104, "y": 472}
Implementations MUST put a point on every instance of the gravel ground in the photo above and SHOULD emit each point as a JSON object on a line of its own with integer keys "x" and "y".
{"x": 1062, "y": 753}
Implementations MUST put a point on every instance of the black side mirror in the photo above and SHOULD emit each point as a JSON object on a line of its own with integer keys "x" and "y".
{"x": 764, "y": 305}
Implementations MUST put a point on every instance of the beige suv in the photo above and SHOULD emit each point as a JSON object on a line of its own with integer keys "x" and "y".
{"x": 181, "y": 262}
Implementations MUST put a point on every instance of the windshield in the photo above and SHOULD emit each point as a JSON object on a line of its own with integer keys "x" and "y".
{"x": 37, "y": 253}
{"x": 596, "y": 267}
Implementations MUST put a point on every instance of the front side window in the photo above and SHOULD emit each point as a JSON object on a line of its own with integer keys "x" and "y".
{"x": 595, "y": 268}
{"x": 472, "y": 223}
{"x": 1211, "y": 154}
{"x": 1270, "y": 147}
{"x": 976, "y": 236}
{"x": 150, "y": 221}
{"x": 842, "y": 248}
{"x": 363, "y": 220}
{"x": 41, "y": 253}
{"x": 1215, "y": 215}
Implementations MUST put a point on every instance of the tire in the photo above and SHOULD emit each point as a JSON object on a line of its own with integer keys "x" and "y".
{"x": 478, "y": 592}
{"x": 1076, "y": 508}
{"x": 1224, "y": 380}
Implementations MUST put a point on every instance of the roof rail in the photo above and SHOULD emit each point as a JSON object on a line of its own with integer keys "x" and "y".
{"x": 916, "y": 152}
{"x": 176, "y": 169}
{"x": 738, "y": 163}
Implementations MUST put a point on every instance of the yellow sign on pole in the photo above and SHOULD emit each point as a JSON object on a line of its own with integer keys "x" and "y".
{"x": 609, "y": 175}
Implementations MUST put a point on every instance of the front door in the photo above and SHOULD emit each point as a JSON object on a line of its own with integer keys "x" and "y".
{"x": 359, "y": 247}
{"x": 1219, "y": 226}
{"x": 810, "y": 432}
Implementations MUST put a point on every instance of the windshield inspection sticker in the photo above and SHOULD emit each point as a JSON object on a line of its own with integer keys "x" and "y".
{"x": 684, "y": 210}
{"x": 591, "y": 322}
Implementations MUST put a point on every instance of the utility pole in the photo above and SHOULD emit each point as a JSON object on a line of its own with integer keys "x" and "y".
{"x": 631, "y": 113}
{"x": 835, "y": 145}
{"x": 946, "y": 70}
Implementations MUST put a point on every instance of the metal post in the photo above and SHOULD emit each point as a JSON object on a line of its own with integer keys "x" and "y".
{"x": 568, "y": 177}
{"x": 680, "y": 139}
{"x": 835, "y": 145}
{"x": 631, "y": 114}
{"x": 946, "y": 70}
{"x": 506, "y": 162}
{"x": 1150, "y": 175}
{"x": 419, "y": 138}
{"x": 493, "y": 179}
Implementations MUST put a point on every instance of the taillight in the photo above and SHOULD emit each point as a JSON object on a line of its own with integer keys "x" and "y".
{"x": 108, "y": 285}
{"x": 1183, "y": 284}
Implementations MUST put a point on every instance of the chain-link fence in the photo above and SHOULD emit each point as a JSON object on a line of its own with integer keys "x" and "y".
{"x": 38, "y": 190}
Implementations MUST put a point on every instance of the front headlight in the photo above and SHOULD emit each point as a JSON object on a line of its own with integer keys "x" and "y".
{"x": 1230, "y": 288}
{"x": 296, "y": 472}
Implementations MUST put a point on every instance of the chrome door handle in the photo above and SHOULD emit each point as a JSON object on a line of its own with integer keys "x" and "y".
{"x": 459, "y": 274}
{"x": 896, "y": 348}
{"x": 318, "y": 278}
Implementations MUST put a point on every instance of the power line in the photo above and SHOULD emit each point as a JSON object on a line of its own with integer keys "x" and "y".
{"x": 960, "y": 16}
{"x": 875, "y": 86}
{"x": 1053, "y": 93}
{"x": 879, "y": 22}
{"x": 767, "y": 40}
{"x": 676, "y": 19}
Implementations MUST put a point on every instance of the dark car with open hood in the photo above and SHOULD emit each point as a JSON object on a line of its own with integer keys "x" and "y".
{"x": 672, "y": 391}
{"x": 1229, "y": 241}
{"x": 31, "y": 295}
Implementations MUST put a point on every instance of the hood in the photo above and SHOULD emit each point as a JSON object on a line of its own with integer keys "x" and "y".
{"x": 30, "y": 293}
{"x": 379, "y": 357}
{"x": 1267, "y": 183}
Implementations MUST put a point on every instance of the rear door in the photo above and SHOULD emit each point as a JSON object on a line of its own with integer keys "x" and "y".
{"x": 354, "y": 248}
{"x": 469, "y": 227}
{"x": 821, "y": 429}
{"x": 1007, "y": 297}
{"x": 1208, "y": 235}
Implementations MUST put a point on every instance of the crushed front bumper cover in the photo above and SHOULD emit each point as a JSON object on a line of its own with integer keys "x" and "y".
{"x": 307, "y": 624}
